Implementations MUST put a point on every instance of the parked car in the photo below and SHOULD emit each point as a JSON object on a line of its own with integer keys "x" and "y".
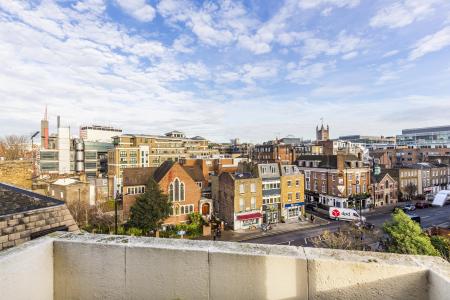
{"x": 401, "y": 207}
{"x": 409, "y": 207}
{"x": 423, "y": 204}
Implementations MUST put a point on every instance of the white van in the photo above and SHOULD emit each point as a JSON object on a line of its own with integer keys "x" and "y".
{"x": 344, "y": 214}
{"x": 442, "y": 198}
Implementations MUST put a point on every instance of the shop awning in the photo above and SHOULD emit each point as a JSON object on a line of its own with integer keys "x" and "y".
{"x": 249, "y": 216}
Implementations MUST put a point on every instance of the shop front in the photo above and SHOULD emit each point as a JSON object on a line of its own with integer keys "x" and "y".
{"x": 293, "y": 210}
{"x": 247, "y": 220}
{"x": 272, "y": 213}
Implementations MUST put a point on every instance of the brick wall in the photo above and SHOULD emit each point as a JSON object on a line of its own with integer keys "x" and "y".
{"x": 17, "y": 228}
{"x": 17, "y": 173}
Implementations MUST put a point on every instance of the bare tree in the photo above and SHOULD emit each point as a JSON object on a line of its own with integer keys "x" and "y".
{"x": 13, "y": 147}
{"x": 411, "y": 190}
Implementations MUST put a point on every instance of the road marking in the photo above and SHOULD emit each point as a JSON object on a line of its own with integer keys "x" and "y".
{"x": 424, "y": 217}
{"x": 443, "y": 224}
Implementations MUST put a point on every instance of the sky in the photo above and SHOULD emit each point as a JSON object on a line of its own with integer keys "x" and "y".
{"x": 223, "y": 69}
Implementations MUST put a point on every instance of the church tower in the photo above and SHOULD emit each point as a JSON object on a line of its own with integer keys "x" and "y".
{"x": 322, "y": 133}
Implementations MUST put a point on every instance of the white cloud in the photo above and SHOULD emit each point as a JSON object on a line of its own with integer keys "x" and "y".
{"x": 344, "y": 44}
{"x": 403, "y": 13}
{"x": 138, "y": 9}
{"x": 182, "y": 44}
{"x": 336, "y": 90}
{"x": 308, "y": 4}
{"x": 305, "y": 74}
{"x": 350, "y": 55}
{"x": 327, "y": 11}
{"x": 390, "y": 53}
{"x": 431, "y": 43}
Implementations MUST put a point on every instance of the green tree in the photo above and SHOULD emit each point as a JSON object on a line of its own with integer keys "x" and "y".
{"x": 405, "y": 236}
{"x": 150, "y": 208}
{"x": 442, "y": 245}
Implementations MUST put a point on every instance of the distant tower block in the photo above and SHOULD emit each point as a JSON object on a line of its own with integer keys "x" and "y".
{"x": 44, "y": 131}
{"x": 322, "y": 133}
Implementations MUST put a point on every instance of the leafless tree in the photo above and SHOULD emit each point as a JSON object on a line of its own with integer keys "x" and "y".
{"x": 13, "y": 147}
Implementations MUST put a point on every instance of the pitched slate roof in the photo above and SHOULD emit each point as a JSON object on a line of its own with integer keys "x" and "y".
{"x": 15, "y": 200}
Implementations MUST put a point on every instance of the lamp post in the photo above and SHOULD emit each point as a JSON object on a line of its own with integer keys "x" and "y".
{"x": 116, "y": 199}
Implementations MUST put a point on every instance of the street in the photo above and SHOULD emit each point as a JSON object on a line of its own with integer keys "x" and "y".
{"x": 433, "y": 216}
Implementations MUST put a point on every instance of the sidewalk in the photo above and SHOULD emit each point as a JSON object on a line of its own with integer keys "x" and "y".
{"x": 240, "y": 236}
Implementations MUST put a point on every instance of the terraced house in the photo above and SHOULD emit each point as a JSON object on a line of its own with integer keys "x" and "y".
{"x": 239, "y": 200}
{"x": 332, "y": 179}
{"x": 292, "y": 192}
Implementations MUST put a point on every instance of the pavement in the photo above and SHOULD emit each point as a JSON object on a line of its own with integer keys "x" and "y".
{"x": 280, "y": 228}
{"x": 433, "y": 216}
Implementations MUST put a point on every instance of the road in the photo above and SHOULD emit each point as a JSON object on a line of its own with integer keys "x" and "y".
{"x": 433, "y": 216}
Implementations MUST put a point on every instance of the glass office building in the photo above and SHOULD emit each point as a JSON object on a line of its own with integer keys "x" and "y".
{"x": 432, "y": 137}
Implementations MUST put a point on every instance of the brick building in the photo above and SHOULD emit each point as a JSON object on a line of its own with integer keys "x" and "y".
{"x": 174, "y": 181}
{"x": 384, "y": 188}
{"x": 25, "y": 215}
{"x": 332, "y": 179}
{"x": 292, "y": 192}
{"x": 274, "y": 153}
{"x": 239, "y": 200}
{"x": 70, "y": 190}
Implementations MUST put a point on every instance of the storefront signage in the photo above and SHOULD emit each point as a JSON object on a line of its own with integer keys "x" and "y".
{"x": 294, "y": 204}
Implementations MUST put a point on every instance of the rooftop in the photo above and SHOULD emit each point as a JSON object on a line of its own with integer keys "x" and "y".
{"x": 85, "y": 266}
{"x": 15, "y": 200}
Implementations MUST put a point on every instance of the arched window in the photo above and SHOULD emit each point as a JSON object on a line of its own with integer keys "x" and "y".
{"x": 177, "y": 190}
{"x": 182, "y": 191}
{"x": 386, "y": 184}
{"x": 182, "y": 210}
{"x": 177, "y": 211}
{"x": 171, "y": 192}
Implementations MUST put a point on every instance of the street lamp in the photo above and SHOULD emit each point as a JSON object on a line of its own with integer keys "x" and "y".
{"x": 116, "y": 199}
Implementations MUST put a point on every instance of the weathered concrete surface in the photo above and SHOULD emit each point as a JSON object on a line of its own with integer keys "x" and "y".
{"x": 253, "y": 271}
{"x": 86, "y": 270}
{"x": 116, "y": 267}
{"x": 26, "y": 271}
{"x": 339, "y": 274}
{"x": 166, "y": 272}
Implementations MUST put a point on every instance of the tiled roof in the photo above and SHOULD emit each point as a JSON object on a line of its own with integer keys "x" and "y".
{"x": 137, "y": 176}
{"x": 16, "y": 200}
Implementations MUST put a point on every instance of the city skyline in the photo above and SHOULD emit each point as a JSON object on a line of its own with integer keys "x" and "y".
{"x": 254, "y": 70}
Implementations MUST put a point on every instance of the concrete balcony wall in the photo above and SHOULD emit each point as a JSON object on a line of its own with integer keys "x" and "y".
{"x": 26, "y": 271}
{"x": 71, "y": 266}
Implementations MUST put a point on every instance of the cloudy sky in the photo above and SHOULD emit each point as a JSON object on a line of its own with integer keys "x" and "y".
{"x": 222, "y": 69}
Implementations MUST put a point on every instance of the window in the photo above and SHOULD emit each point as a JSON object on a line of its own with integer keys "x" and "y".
{"x": 297, "y": 182}
{"x": 241, "y": 204}
{"x": 62, "y": 195}
{"x": 253, "y": 188}
{"x": 123, "y": 154}
{"x": 297, "y": 196}
{"x": 289, "y": 196}
{"x": 241, "y": 188}
{"x": 253, "y": 203}
{"x": 289, "y": 183}
{"x": 171, "y": 192}
{"x": 182, "y": 191}
{"x": 177, "y": 190}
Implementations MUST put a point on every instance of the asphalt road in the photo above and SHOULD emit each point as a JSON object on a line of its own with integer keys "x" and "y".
{"x": 433, "y": 216}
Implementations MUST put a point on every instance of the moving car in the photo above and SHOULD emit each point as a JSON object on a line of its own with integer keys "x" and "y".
{"x": 345, "y": 214}
{"x": 364, "y": 225}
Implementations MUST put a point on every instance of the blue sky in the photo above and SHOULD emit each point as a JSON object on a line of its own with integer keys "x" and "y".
{"x": 223, "y": 69}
